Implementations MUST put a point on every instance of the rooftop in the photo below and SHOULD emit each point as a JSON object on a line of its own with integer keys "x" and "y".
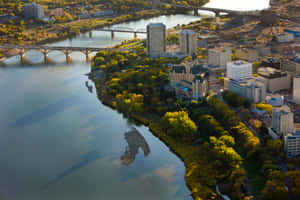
{"x": 155, "y": 25}
{"x": 239, "y": 62}
{"x": 188, "y": 32}
{"x": 269, "y": 72}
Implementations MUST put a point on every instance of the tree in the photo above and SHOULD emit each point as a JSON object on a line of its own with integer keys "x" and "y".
{"x": 178, "y": 124}
{"x": 274, "y": 191}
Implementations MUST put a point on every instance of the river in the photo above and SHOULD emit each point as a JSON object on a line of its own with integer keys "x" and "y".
{"x": 58, "y": 141}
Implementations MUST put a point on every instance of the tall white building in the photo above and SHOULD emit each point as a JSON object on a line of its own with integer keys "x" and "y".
{"x": 296, "y": 90}
{"x": 282, "y": 121}
{"x": 292, "y": 144}
{"x": 219, "y": 57}
{"x": 156, "y": 39}
{"x": 188, "y": 42}
{"x": 239, "y": 70}
{"x": 34, "y": 10}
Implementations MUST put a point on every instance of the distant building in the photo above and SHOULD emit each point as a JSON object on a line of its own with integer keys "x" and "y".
{"x": 57, "y": 12}
{"x": 206, "y": 41}
{"x": 34, "y": 10}
{"x": 6, "y": 17}
{"x": 246, "y": 54}
{"x": 156, "y": 39}
{"x": 188, "y": 42}
{"x": 292, "y": 144}
{"x": 84, "y": 15}
{"x": 285, "y": 37}
{"x": 103, "y": 13}
{"x": 254, "y": 89}
{"x": 291, "y": 65}
{"x": 296, "y": 90}
{"x": 219, "y": 57}
{"x": 275, "y": 79}
{"x": 275, "y": 100}
{"x": 282, "y": 122}
{"x": 239, "y": 70}
{"x": 189, "y": 82}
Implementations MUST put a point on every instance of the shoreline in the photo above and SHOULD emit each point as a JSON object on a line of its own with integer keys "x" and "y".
{"x": 175, "y": 147}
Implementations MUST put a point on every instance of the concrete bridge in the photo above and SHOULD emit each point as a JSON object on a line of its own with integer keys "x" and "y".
{"x": 119, "y": 30}
{"x": 66, "y": 50}
{"x": 217, "y": 11}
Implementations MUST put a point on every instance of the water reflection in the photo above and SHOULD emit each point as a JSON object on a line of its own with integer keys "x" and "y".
{"x": 134, "y": 140}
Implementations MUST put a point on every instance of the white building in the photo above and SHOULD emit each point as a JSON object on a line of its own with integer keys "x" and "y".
{"x": 239, "y": 70}
{"x": 292, "y": 144}
{"x": 156, "y": 39}
{"x": 282, "y": 122}
{"x": 188, "y": 42}
{"x": 296, "y": 90}
{"x": 34, "y": 10}
{"x": 254, "y": 89}
{"x": 219, "y": 57}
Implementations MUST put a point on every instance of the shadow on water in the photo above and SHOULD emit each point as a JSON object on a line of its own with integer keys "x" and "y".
{"x": 48, "y": 111}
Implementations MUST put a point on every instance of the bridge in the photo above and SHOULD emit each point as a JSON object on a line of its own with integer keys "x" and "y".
{"x": 66, "y": 50}
{"x": 217, "y": 11}
{"x": 119, "y": 30}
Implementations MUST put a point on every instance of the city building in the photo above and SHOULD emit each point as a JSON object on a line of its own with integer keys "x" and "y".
{"x": 275, "y": 79}
{"x": 190, "y": 82}
{"x": 103, "y": 13}
{"x": 248, "y": 54}
{"x": 292, "y": 144}
{"x": 207, "y": 41}
{"x": 291, "y": 65}
{"x": 84, "y": 15}
{"x": 188, "y": 42}
{"x": 34, "y": 10}
{"x": 254, "y": 89}
{"x": 6, "y": 17}
{"x": 282, "y": 122}
{"x": 285, "y": 37}
{"x": 296, "y": 90}
{"x": 156, "y": 39}
{"x": 275, "y": 100}
{"x": 57, "y": 12}
{"x": 239, "y": 70}
{"x": 219, "y": 57}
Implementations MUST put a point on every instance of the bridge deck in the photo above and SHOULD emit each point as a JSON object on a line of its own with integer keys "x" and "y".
{"x": 61, "y": 48}
{"x": 121, "y": 31}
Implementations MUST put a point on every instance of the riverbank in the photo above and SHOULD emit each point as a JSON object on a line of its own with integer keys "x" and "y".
{"x": 139, "y": 93}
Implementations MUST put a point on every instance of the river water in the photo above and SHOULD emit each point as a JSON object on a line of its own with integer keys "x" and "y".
{"x": 57, "y": 140}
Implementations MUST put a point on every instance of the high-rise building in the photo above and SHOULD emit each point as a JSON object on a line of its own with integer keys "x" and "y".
{"x": 219, "y": 57}
{"x": 156, "y": 39}
{"x": 34, "y": 10}
{"x": 239, "y": 70}
{"x": 296, "y": 90}
{"x": 292, "y": 144}
{"x": 188, "y": 42}
{"x": 282, "y": 121}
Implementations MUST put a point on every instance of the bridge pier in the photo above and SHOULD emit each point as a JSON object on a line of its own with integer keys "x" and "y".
{"x": 87, "y": 56}
{"x": 112, "y": 35}
{"x": 22, "y": 55}
{"x": 46, "y": 57}
{"x": 90, "y": 34}
{"x": 135, "y": 35}
{"x": 68, "y": 56}
{"x": 196, "y": 13}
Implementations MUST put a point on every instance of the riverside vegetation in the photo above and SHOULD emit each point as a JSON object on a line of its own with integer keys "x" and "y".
{"x": 138, "y": 87}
